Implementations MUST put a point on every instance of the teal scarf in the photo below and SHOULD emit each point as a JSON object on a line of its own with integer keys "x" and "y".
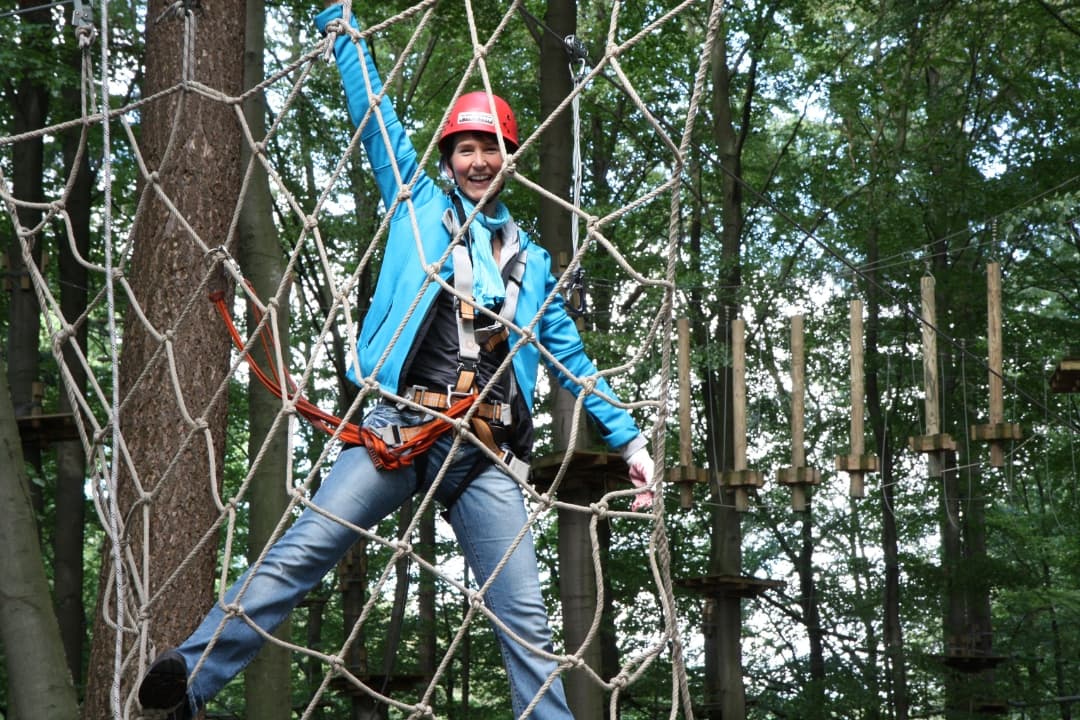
{"x": 488, "y": 287}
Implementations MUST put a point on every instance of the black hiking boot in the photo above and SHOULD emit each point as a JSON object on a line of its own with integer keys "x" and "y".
{"x": 164, "y": 687}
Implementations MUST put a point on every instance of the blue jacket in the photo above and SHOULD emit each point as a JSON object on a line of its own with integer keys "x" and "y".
{"x": 402, "y": 275}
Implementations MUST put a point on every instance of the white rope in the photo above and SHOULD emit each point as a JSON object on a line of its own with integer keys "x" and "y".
{"x": 114, "y": 360}
{"x": 130, "y": 581}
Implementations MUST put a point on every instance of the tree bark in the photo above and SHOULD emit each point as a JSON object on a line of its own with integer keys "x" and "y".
{"x": 577, "y": 579}
{"x": 577, "y": 592}
{"x": 725, "y": 695}
{"x": 70, "y": 495}
{"x": 39, "y": 684}
{"x": 427, "y": 662}
{"x": 29, "y": 98}
{"x": 267, "y": 686}
{"x": 197, "y": 165}
{"x": 892, "y": 631}
{"x": 814, "y": 692}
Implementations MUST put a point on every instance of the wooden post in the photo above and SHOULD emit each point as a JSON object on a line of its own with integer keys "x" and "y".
{"x": 934, "y": 443}
{"x": 739, "y": 478}
{"x": 857, "y": 464}
{"x": 931, "y": 404}
{"x": 798, "y": 477}
{"x": 858, "y": 399}
{"x": 686, "y": 455}
{"x": 798, "y": 391}
{"x": 993, "y": 336}
{"x": 997, "y": 431}
{"x": 686, "y": 474}
{"x": 738, "y": 390}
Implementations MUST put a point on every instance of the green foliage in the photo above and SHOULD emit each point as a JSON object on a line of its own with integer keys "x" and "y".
{"x": 880, "y": 143}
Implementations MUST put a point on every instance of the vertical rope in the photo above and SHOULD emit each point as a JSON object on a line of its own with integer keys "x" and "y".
{"x": 114, "y": 359}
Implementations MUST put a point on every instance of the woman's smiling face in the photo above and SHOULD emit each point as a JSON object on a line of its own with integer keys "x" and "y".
{"x": 475, "y": 161}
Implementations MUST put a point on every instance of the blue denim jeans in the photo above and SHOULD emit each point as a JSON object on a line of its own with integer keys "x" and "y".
{"x": 486, "y": 518}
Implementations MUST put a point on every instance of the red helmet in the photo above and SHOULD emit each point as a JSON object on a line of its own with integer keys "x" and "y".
{"x": 472, "y": 112}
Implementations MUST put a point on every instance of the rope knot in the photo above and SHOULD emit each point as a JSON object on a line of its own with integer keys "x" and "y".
{"x": 475, "y": 600}
{"x": 337, "y": 26}
{"x": 86, "y": 37}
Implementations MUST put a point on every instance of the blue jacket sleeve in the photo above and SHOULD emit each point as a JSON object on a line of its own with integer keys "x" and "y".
{"x": 362, "y": 84}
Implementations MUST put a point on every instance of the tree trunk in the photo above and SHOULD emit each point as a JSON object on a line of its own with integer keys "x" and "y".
{"x": 577, "y": 592}
{"x": 893, "y": 631}
{"x": 427, "y": 662}
{"x": 198, "y": 168}
{"x": 29, "y": 99}
{"x": 70, "y": 456}
{"x": 352, "y": 577}
{"x": 814, "y": 692}
{"x": 725, "y": 695}
{"x": 401, "y": 593}
{"x": 954, "y": 620}
{"x": 39, "y": 684}
{"x": 267, "y": 688}
{"x": 577, "y": 580}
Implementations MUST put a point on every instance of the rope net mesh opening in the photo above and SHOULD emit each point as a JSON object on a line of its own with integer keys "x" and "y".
{"x": 112, "y": 408}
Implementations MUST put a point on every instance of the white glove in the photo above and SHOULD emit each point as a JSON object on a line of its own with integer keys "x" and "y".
{"x": 641, "y": 473}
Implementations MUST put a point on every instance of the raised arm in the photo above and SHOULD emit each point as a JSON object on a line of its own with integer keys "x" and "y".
{"x": 363, "y": 85}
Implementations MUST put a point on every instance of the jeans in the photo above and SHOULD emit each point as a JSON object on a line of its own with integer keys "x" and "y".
{"x": 486, "y": 518}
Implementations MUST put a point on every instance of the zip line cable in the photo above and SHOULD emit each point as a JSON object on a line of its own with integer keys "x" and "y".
{"x": 25, "y": 11}
{"x": 904, "y": 307}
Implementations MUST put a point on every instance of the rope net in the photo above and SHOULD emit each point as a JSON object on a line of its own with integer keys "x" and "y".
{"x": 113, "y": 412}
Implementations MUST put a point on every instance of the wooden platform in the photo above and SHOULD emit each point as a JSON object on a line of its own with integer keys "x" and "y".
{"x": 1066, "y": 376}
{"x": 592, "y": 467}
{"x": 969, "y": 661}
{"x": 45, "y": 429}
{"x": 397, "y": 682}
{"x": 743, "y": 586}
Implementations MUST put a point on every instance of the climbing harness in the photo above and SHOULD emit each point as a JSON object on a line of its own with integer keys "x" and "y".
{"x": 389, "y": 449}
{"x": 471, "y": 339}
{"x": 392, "y": 447}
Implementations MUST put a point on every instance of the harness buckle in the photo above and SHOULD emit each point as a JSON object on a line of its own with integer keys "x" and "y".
{"x": 390, "y": 434}
{"x": 415, "y": 394}
{"x": 519, "y": 469}
{"x": 484, "y": 333}
{"x": 453, "y": 395}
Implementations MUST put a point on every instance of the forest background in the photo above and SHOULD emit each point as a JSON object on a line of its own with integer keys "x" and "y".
{"x": 845, "y": 150}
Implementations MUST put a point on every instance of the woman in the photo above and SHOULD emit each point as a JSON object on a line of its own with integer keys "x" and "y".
{"x": 443, "y": 352}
